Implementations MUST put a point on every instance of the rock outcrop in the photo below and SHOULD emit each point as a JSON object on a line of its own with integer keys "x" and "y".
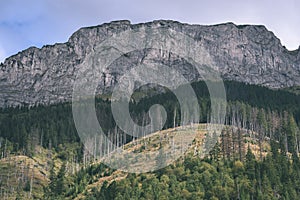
{"x": 245, "y": 53}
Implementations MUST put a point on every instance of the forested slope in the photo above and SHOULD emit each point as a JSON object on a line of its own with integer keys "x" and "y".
{"x": 231, "y": 169}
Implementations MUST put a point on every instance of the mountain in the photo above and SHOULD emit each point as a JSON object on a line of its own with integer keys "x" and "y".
{"x": 243, "y": 53}
{"x": 254, "y": 156}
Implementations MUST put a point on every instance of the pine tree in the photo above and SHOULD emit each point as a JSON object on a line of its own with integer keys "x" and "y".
{"x": 250, "y": 164}
{"x": 60, "y": 181}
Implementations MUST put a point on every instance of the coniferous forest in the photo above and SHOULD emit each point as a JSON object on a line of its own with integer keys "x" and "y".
{"x": 233, "y": 169}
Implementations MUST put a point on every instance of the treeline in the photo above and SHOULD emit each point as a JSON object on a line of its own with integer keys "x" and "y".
{"x": 47, "y": 126}
{"x": 256, "y": 96}
{"x": 262, "y": 124}
{"x": 250, "y": 107}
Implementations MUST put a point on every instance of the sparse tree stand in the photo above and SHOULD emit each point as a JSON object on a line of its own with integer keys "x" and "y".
{"x": 31, "y": 182}
{"x": 161, "y": 159}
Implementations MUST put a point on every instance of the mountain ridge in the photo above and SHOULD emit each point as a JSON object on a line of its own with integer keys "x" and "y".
{"x": 244, "y": 53}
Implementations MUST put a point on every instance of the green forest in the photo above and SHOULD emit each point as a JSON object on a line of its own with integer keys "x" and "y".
{"x": 230, "y": 171}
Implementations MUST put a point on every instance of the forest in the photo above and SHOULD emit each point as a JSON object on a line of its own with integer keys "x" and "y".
{"x": 228, "y": 172}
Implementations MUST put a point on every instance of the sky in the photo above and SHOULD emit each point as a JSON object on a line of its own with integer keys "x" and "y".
{"x": 25, "y": 23}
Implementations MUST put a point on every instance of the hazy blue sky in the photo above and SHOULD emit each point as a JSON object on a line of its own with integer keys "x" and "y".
{"x": 25, "y": 23}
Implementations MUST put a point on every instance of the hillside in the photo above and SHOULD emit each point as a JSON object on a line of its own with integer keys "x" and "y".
{"x": 264, "y": 120}
{"x": 26, "y": 177}
{"x": 168, "y": 141}
{"x": 218, "y": 175}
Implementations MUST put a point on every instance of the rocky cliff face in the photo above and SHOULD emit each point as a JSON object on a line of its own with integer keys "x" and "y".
{"x": 247, "y": 53}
